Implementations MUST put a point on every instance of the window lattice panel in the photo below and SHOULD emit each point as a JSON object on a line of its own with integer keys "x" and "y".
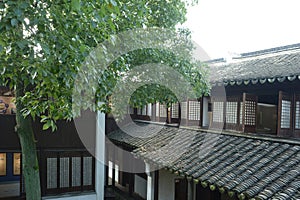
{"x": 218, "y": 111}
{"x": 87, "y": 170}
{"x": 51, "y": 173}
{"x": 162, "y": 111}
{"x": 76, "y": 171}
{"x": 250, "y": 113}
{"x": 285, "y": 114}
{"x": 241, "y": 112}
{"x": 183, "y": 107}
{"x": 194, "y": 110}
{"x": 231, "y": 112}
{"x": 64, "y": 172}
{"x": 175, "y": 110}
{"x": 297, "y": 115}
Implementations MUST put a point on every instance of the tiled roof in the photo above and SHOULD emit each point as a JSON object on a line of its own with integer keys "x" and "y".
{"x": 260, "y": 66}
{"x": 251, "y": 167}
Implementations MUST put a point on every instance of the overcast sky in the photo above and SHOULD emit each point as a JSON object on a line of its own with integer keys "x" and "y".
{"x": 222, "y": 27}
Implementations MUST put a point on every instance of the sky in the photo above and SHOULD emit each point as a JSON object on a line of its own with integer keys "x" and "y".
{"x": 228, "y": 27}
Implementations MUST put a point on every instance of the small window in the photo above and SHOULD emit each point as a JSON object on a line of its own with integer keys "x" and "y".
{"x": 285, "y": 114}
{"x": 2, "y": 164}
{"x": 297, "y": 113}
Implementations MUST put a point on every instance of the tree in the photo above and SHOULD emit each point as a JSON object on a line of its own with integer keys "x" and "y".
{"x": 43, "y": 43}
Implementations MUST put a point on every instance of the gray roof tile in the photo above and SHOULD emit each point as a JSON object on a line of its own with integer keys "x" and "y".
{"x": 252, "y": 167}
{"x": 258, "y": 66}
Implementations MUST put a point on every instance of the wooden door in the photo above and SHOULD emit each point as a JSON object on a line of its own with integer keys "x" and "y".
{"x": 285, "y": 122}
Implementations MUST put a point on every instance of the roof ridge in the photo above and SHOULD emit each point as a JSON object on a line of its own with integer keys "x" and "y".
{"x": 269, "y": 50}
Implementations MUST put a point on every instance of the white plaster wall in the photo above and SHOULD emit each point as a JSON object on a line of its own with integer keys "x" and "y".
{"x": 205, "y": 121}
{"x": 166, "y": 185}
{"x": 140, "y": 186}
{"x": 78, "y": 197}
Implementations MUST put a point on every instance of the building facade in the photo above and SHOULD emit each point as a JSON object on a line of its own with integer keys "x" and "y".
{"x": 241, "y": 142}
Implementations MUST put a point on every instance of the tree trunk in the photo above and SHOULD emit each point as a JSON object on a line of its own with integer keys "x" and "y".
{"x": 30, "y": 165}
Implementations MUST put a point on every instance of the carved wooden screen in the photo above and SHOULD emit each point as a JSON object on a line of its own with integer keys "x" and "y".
{"x": 297, "y": 115}
{"x": 249, "y": 113}
{"x": 218, "y": 112}
{"x": 232, "y": 116}
{"x": 194, "y": 113}
{"x": 285, "y": 102}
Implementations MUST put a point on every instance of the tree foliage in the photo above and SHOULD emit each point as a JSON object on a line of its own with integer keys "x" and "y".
{"x": 43, "y": 44}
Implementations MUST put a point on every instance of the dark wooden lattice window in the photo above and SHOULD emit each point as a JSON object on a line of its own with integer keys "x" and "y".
{"x": 68, "y": 171}
{"x": 76, "y": 170}
{"x": 297, "y": 115}
{"x": 250, "y": 113}
{"x": 285, "y": 114}
{"x": 174, "y": 110}
{"x": 64, "y": 172}
{"x": 249, "y": 109}
{"x": 218, "y": 111}
{"x": 194, "y": 110}
{"x": 51, "y": 173}
{"x": 285, "y": 110}
{"x": 87, "y": 170}
{"x": 241, "y": 112}
{"x": 162, "y": 110}
{"x": 231, "y": 112}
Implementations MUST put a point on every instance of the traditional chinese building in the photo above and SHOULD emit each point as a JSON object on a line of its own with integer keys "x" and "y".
{"x": 239, "y": 143}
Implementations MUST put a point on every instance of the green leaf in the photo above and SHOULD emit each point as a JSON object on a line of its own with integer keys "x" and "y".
{"x": 47, "y": 125}
{"x": 75, "y": 4}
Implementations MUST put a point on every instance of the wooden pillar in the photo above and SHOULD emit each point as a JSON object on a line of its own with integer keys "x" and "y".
{"x": 156, "y": 184}
{"x": 131, "y": 184}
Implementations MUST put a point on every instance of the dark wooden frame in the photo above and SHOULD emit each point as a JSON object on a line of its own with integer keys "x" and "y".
{"x": 286, "y": 132}
{"x": 238, "y": 125}
{"x": 249, "y": 128}
{"x": 70, "y": 155}
{"x": 295, "y": 130}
